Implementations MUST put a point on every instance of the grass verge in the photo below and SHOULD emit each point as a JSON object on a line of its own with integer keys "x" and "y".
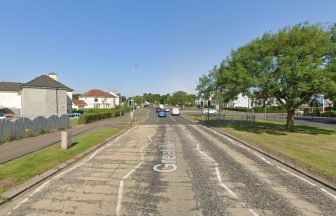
{"x": 313, "y": 148}
{"x": 74, "y": 122}
{"x": 20, "y": 170}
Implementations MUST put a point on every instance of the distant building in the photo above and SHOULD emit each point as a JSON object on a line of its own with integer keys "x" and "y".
{"x": 43, "y": 96}
{"x": 79, "y": 104}
{"x": 98, "y": 99}
{"x": 117, "y": 99}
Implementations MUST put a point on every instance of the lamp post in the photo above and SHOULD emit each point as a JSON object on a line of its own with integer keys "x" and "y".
{"x": 132, "y": 116}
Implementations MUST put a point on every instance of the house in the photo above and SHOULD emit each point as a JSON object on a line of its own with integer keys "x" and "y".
{"x": 117, "y": 100}
{"x": 241, "y": 101}
{"x": 98, "y": 99}
{"x": 42, "y": 96}
{"x": 78, "y": 104}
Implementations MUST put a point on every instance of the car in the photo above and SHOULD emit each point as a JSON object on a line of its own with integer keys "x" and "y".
{"x": 167, "y": 110}
{"x": 2, "y": 116}
{"x": 299, "y": 112}
{"x": 175, "y": 111}
{"x": 162, "y": 113}
{"x": 157, "y": 109}
{"x": 211, "y": 111}
{"x": 74, "y": 115}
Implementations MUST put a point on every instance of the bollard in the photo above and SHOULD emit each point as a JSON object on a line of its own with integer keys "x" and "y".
{"x": 66, "y": 140}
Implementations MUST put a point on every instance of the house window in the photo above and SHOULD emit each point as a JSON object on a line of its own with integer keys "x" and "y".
{"x": 96, "y": 100}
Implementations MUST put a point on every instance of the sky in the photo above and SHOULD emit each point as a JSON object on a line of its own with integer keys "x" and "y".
{"x": 95, "y": 44}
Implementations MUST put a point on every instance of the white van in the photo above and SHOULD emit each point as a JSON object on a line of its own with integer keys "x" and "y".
{"x": 175, "y": 111}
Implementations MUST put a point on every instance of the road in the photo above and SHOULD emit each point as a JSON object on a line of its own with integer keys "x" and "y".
{"x": 171, "y": 166}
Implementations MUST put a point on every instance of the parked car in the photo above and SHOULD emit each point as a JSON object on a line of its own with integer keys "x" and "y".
{"x": 2, "y": 116}
{"x": 157, "y": 109}
{"x": 162, "y": 113}
{"x": 74, "y": 115}
{"x": 175, "y": 111}
{"x": 167, "y": 110}
{"x": 211, "y": 111}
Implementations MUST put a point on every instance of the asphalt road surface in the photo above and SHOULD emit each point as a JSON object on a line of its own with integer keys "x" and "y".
{"x": 170, "y": 166}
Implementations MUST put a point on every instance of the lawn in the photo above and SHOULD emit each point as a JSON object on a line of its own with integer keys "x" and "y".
{"x": 19, "y": 170}
{"x": 313, "y": 148}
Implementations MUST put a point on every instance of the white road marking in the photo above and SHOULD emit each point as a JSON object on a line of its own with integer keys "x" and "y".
{"x": 22, "y": 202}
{"x": 330, "y": 194}
{"x": 121, "y": 184}
{"x": 262, "y": 158}
{"x": 219, "y": 178}
{"x": 253, "y": 212}
{"x": 303, "y": 179}
{"x": 72, "y": 168}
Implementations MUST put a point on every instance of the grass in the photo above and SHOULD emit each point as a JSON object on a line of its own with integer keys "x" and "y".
{"x": 20, "y": 170}
{"x": 311, "y": 147}
{"x": 74, "y": 122}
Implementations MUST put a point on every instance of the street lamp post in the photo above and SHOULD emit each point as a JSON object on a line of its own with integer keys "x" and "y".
{"x": 132, "y": 115}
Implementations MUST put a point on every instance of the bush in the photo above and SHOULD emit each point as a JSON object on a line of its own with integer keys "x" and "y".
{"x": 330, "y": 113}
{"x": 89, "y": 117}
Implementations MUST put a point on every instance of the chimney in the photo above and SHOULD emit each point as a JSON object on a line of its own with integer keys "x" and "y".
{"x": 53, "y": 76}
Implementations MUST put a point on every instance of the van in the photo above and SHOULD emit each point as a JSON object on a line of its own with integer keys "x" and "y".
{"x": 175, "y": 111}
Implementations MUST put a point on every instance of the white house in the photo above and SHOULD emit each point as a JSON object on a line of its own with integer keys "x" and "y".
{"x": 98, "y": 99}
{"x": 42, "y": 96}
{"x": 78, "y": 104}
{"x": 117, "y": 96}
{"x": 241, "y": 101}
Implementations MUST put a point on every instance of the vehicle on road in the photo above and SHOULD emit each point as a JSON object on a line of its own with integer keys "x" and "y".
{"x": 167, "y": 110}
{"x": 162, "y": 113}
{"x": 175, "y": 112}
{"x": 211, "y": 111}
{"x": 157, "y": 109}
{"x": 299, "y": 112}
{"x": 161, "y": 106}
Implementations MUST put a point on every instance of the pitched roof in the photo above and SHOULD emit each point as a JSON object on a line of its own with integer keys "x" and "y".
{"x": 9, "y": 86}
{"x": 79, "y": 102}
{"x": 97, "y": 93}
{"x": 46, "y": 82}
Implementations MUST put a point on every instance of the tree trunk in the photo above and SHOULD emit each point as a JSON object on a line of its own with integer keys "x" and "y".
{"x": 290, "y": 120}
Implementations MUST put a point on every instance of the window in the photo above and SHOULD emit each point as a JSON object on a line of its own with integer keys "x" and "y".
{"x": 96, "y": 100}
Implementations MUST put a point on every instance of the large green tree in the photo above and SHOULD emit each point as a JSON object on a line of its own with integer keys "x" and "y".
{"x": 292, "y": 65}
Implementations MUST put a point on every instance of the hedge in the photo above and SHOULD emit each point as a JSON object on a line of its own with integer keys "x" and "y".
{"x": 92, "y": 117}
{"x": 272, "y": 109}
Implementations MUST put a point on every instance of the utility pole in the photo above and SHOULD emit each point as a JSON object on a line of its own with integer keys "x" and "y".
{"x": 132, "y": 116}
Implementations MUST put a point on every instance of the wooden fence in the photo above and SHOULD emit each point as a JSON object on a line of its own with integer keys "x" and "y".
{"x": 25, "y": 127}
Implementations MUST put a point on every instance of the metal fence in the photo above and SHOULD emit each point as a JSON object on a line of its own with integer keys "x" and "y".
{"x": 25, "y": 127}
{"x": 230, "y": 118}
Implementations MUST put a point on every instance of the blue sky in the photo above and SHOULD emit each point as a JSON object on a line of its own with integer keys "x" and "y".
{"x": 93, "y": 44}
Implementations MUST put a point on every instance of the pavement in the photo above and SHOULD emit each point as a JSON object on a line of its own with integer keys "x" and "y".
{"x": 18, "y": 148}
{"x": 172, "y": 166}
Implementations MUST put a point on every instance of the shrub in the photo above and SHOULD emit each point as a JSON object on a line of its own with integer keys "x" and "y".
{"x": 89, "y": 117}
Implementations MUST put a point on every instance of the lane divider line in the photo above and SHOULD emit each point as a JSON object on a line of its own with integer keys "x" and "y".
{"x": 123, "y": 179}
{"x": 330, "y": 194}
{"x": 219, "y": 178}
{"x": 303, "y": 179}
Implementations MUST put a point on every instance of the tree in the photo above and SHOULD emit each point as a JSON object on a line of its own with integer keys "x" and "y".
{"x": 75, "y": 96}
{"x": 182, "y": 98}
{"x": 292, "y": 65}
